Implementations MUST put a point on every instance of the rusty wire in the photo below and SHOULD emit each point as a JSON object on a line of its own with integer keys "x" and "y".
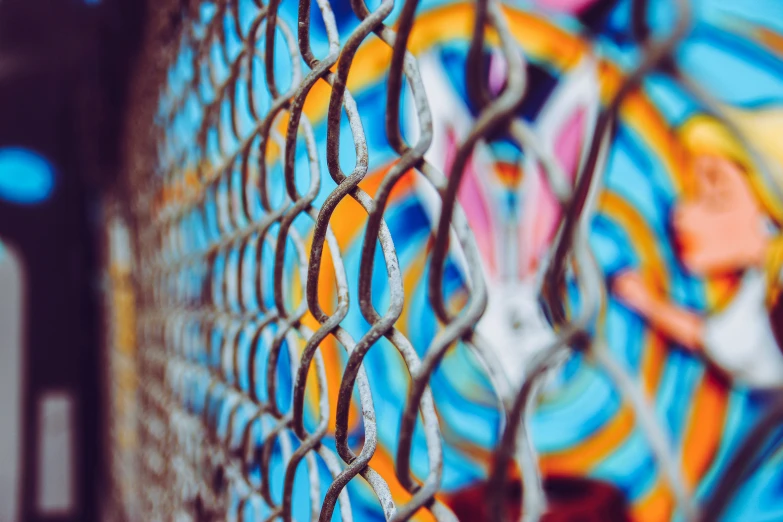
{"x": 187, "y": 466}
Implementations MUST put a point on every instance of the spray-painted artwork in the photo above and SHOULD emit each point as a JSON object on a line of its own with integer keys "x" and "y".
{"x": 685, "y": 230}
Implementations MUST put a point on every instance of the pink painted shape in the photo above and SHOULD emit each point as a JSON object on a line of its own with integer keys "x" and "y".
{"x": 498, "y": 71}
{"x": 471, "y": 197}
{"x": 568, "y": 145}
{"x": 541, "y": 209}
{"x": 568, "y": 6}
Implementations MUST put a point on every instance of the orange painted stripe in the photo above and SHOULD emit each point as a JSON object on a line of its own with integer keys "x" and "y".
{"x": 771, "y": 40}
{"x": 383, "y": 463}
{"x": 705, "y": 427}
{"x": 653, "y": 361}
{"x": 510, "y": 174}
{"x": 719, "y": 290}
{"x": 701, "y": 444}
{"x": 657, "y": 506}
{"x": 371, "y": 183}
{"x": 585, "y": 456}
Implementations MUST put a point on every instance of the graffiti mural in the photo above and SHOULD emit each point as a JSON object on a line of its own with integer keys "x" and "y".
{"x": 685, "y": 230}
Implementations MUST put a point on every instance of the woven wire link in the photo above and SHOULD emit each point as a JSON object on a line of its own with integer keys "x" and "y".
{"x": 188, "y": 469}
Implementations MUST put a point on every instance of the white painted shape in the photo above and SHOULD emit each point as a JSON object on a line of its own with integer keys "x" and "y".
{"x": 740, "y": 340}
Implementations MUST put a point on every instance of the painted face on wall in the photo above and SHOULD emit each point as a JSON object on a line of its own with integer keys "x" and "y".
{"x": 721, "y": 227}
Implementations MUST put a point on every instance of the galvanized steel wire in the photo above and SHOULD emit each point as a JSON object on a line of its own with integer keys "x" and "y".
{"x": 187, "y": 467}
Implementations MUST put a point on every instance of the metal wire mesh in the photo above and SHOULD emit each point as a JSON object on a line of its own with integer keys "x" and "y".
{"x": 204, "y": 460}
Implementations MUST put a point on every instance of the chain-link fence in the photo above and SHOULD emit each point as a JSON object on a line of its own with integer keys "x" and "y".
{"x": 244, "y": 277}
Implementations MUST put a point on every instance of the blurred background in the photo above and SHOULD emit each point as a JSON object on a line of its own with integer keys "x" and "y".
{"x": 64, "y": 81}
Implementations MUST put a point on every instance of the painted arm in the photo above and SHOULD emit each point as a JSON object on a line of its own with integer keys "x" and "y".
{"x": 679, "y": 324}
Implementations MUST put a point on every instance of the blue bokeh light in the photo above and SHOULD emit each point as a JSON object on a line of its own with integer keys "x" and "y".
{"x": 25, "y": 176}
